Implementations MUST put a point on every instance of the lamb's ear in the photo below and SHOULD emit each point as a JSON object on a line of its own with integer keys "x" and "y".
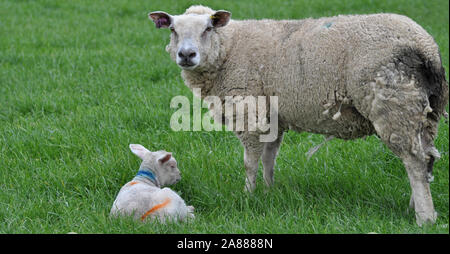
{"x": 165, "y": 158}
{"x": 220, "y": 18}
{"x": 161, "y": 19}
{"x": 139, "y": 150}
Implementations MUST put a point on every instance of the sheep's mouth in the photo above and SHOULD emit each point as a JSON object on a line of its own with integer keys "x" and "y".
{"x": 187, "y": 65}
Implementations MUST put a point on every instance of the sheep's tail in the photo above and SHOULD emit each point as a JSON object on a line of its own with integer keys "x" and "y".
{"x": 437, "y": 87}
{"x": 430, "y": 66}
{"x": 425, "y": 62}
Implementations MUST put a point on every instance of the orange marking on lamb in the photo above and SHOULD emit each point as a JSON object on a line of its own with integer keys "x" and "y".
{"x": 133, "y": 183}
{"x": 155, "y": 208}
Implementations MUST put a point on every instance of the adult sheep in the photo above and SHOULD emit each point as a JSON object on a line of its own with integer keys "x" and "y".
{"x": 343, "y": 76}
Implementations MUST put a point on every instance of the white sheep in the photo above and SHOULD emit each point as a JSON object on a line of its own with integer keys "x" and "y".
{"x": 343, "y": 76}
{"x": 142, "y": 197}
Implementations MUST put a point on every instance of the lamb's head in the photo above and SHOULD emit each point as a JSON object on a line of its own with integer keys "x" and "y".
{"x": 194, "y": 41}
{"x": 160, "y": 163}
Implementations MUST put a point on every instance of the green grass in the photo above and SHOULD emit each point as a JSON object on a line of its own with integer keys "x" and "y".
{"x": 80, "y": 80}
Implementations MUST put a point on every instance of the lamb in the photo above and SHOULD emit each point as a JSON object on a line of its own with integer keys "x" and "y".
{"x": 142, "y": 197}
{"x": 346, "y": 77}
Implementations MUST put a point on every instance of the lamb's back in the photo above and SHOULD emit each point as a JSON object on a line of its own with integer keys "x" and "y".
{"x": 134, "y": 199}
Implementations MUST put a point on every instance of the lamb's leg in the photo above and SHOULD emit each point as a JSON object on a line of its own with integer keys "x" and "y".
{"x": 190, "y": 212}
{"x": 268, "y": 159}
{"x": 252, "y": 153}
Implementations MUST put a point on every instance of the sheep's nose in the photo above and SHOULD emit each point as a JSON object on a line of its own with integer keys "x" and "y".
{"x": 187, "y": 54}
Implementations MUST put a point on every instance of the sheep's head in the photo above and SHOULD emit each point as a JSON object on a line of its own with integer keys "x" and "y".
{"x": 194, "y": 36}
{"x": 161, "y": 163}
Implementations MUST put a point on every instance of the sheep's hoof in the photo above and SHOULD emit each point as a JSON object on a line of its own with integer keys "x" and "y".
{"x": 249, "y": 188}
{"x": 269, "y": 182}
{"x": 425, "y": 218}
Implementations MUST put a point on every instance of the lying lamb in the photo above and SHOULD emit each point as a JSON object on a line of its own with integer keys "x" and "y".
{"x": 143, "y": 198}
{"x": 343, "y": 76}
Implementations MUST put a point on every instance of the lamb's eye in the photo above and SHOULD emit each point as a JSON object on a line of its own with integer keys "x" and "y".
{"x": 208, "y": 29}
{"x": 172, "y": 30}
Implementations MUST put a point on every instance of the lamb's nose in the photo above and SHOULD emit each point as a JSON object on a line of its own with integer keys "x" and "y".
{"x": 187, "y": 54}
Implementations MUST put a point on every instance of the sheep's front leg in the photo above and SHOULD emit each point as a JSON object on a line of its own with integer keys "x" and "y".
{"x": 268, "y": 159}
{"x": 251, "y": 169}
{"x": 252, "y": 153}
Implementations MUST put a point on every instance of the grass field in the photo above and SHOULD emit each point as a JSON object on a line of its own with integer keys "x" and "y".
{"x": 80, "y": 80}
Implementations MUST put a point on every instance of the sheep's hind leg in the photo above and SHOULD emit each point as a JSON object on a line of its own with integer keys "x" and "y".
{"x": 409, "y": 149}
{"x": 399, "y": 116}
{"x": 268, "y": 159}
{"x": 421, "y": 193}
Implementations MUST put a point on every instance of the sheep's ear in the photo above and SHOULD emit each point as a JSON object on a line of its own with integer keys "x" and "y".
{"x": 220, "y": 18}
{"x": 163, "y": 159}
{"x": 161, "y": 19}
{"x": 139, "y": 150}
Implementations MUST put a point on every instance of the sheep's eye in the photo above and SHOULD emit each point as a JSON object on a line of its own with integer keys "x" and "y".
{"x": 172, "y": 30}
{"x": 208, "y": 29}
